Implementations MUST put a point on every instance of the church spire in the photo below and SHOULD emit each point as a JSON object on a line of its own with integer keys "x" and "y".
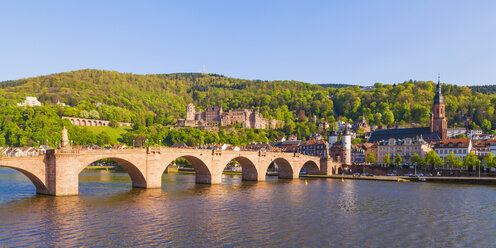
{"x": 438, "y": 98}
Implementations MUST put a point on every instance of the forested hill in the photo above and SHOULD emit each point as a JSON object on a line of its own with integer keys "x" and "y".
{"x": 155, "y": 101}
{"x": 163, "y": 97}
{"x": 486, "y": 89}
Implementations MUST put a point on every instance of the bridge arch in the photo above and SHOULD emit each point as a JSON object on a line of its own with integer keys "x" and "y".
{"x": 285, "y": 169}
{"x": 137, "y": 176}
{"x": 202, "y": 172}
{"x": 40, "y": 186}
{"x": 249, "y": 171}
{"x": 310, "y": 167}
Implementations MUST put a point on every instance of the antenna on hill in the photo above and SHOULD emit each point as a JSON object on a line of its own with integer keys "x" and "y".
{"x": 203, "y": 68}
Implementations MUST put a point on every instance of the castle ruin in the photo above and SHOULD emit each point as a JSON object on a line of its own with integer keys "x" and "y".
{"x": 215, "y": 116}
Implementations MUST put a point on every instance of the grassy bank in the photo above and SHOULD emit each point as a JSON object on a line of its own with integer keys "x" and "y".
{"x": 115, "y": 133}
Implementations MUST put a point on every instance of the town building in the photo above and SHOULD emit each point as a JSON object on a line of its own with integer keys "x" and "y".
{"x": 215, "y": 116}
{"x": 406, "y": 148}
{"x": 363, "y": 123}
{"x": 357, "y": 154}
{"x": 459, "y": 147}
{"x": 371, "y": 149}
{"x": 30, "y": 101}
{"x": 482, "y": 148}
{"x": 314, "y": 147}
{"x": 324, "y": 125}
{"x": 484, "y": 136}
{"x": 287, "y": 145}
{"x": 254, "y": 146}
{"x": 343, "y": 125}
{"x": 316, "y": 136}
{"x": 473, "y": 133}
{"x": 453, "y": 132}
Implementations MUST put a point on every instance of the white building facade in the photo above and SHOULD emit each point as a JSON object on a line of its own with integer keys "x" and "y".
{"x": 30, "y": 101}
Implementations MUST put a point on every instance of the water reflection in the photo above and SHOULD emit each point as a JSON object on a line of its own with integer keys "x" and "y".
{"x": 277, "y": 213}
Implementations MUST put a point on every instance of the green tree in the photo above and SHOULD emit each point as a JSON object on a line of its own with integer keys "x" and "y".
{"x": 490, "y": 161}
{"x": 387, "y": 159}
{"x": 114, "y": 124}
{"x": 486, "y": 125}
{"x": 93, "y": 114}
{"x": 471, "y": 160}
{"x": 388, "y": 118}
{"x": 371, "y": 159}
{"x": 450, "y": 160}
{"x": 84, "y": 114}
{"x": 415, "y": 159}
{"x": 398, "y": 159}
{"x": 433, "y": 159}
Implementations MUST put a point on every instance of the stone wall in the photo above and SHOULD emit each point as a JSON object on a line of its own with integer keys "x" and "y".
{"x": 93, "y": 123}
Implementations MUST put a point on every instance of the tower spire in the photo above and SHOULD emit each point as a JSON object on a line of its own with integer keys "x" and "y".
{"x": 438, "y": 98}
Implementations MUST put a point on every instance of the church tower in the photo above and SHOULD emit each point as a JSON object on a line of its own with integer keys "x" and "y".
{"x": 439, "y": 124}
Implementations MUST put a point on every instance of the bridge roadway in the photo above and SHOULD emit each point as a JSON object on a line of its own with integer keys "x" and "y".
{"x": 57, "y": 172}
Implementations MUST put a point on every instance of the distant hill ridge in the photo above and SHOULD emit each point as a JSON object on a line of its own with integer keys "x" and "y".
{"x": 162, "y": 98}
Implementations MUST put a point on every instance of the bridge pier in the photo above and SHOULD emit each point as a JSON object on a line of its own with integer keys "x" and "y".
{"x": 62, "y": 174}
{"x": 154, "y": 171}
{"x": 327, "y": 166}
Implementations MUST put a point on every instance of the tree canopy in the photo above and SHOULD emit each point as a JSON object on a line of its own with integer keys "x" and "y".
{"x": 155, "y": 102}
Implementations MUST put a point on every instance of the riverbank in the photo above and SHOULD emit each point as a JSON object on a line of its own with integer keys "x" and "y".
{"x": 459, "y": 180}
{"x": 106, "y": 167}
{"x": 350, "y": 177}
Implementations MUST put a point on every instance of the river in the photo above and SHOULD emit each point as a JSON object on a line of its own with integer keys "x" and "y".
{"x": 275, "y": 213}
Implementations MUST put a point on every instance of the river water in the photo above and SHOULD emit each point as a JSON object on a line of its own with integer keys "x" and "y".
{"x": 275, "y": 213}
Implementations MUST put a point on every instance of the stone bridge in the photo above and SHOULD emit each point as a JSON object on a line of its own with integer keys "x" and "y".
{"x": 57, "y": 172}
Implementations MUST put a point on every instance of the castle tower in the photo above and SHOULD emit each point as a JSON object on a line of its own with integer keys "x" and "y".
{"x": 190, "y": 112}
{"x": 439, "y": 124}
{"x": 346, "y": 147}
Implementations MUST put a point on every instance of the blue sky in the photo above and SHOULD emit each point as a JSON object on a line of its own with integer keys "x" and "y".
{"x": 357, "y": 42}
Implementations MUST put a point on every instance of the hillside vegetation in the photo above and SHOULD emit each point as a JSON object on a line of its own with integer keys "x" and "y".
{"x": 155, "y": 102}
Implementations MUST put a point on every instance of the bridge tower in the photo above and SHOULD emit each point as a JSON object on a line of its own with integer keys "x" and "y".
{"x": 346, "y": 147}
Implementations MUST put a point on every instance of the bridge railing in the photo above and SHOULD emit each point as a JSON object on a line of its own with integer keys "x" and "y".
{"x": 21, "y": 152}
{"x": 34, "y": 151}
